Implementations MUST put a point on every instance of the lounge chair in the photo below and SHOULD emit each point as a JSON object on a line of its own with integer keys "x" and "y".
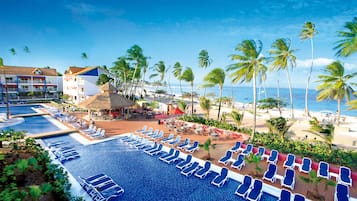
{"x": 225, "y": 159}
{"x": 170, "y": 137}
{"x": 323, "y": 170}
{"x": 261, "y": 152}
{"x": 142, "y": 130}
{"x": 203, "y": 171}
{"x": 176, "y": 141}
{"x": 171, "y": 159}
{"x": 153, "y": 133}
{"x": 157, "y": 136}
{"x": 168, "y": 154}
{"x": 256, "y": 192}
{"x": 342, "y": 192}
{"x": 152, "y": 148}
{"x": 248, "y": 149}
{"x": 290, "y": 161}
{"x": 155, "y": 151}
{"x": 184, "y": 163}
{"x": 270, "y": 173}
{"x": 285, "y": 195}
{"x": 299, "y": 197}
{"x": 239, "y": 163}
{"x": 149, "y": 131}
{"x": 305, "y": 167}
{"x": 89, "y": 128}
{"x": 93, "y": 178}
{"x": 244, "y": 187}
{"x": 344, "y": 176}
{"x": 192, "y": 148}
{"x": 273, "y": 158}
{"x": 236, "y": 147}
{"x": 289, "y": 179}
{"x": 112, "y": 193}
{"x": 220, "y": 179}
{"x": 190, "y": 169}
{"x": 184, "y": 144}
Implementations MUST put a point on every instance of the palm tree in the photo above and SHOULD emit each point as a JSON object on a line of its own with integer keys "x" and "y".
{"x": 207, "y": 146}
{"x": 27, "y": 49}
{"x": 237, "y": 117}
{"x": 204, "y": 61}
{"x": 160, "y": 70}
{"x": 283, "y": 55}
{"x": 84, "y": 56}
{"x": 178, "y": 73}
{"x": 135, "y": 54}
{"x": 205, "y": 105}
{"x": 122, "y": 71}
{"x": 246, "y": 69}
{"x": 348, "y": 45}
{"x": 12, "y": 51}
{"x": 213, "y": 78}
{"x": 188, "y": 76}
{"x": 336, "y": 85}
{"x": 308, "y": 31}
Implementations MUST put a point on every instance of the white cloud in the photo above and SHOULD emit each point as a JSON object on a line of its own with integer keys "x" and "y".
{"x": 317, "y": 62}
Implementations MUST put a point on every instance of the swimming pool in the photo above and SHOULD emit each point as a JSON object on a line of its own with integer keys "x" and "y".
{"x": 144, "y": 177}
{"x": 21, "y": 109}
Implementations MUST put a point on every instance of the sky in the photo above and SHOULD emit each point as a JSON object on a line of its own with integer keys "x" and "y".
{"x": 58, "y": 32}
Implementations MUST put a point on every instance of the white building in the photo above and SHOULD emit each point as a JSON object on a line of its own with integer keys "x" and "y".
{"x": 79, "y": 83}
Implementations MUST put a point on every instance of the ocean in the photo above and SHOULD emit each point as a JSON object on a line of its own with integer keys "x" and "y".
{"x": 245, "y": 95}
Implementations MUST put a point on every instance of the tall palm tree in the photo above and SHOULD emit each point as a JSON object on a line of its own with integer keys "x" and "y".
{"x": 12, "y": 51}
{"x": 178, "y": 73}
{"x": 213, "y": 78}
{"x": 188, "y": 76}
{"x": 348, "y": 44}
{"x": 283, "y": 56}
{"x": 246, "y": 69}
{"x": 336, "y": 85}
{"x": 160, "y": 70}
{"x": 122, "y": 71}
{"x": 308, "y": 31}
{"x": 135, "y": 54}
{"x": 205, "y": 105}
{"x": 204, "y": 61}
{"x": 27, "y": 49}
{"x": 84, "y": 56}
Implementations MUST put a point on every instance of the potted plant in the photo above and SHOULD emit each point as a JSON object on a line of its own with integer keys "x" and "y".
{"x": 207, "y": 147}
{"x": 252, "y": 158}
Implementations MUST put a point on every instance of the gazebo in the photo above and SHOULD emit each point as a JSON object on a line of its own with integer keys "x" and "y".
{"x": 106, "y": 101}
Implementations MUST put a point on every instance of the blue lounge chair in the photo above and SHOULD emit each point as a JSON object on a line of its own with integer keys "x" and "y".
{"x": 239, "y": 163}
{"x": 342, "y": 192}
{"x": 270, "y": 173}
{"x": 184, "y": 144}
{"x": 261, "y": 152}
{"x": 290, "y": 161}
{"x": 112, "y": 193}
{"x": 171, "y": 159}
{"x": 140, "y": 130}
{"x": 93, "y": 178}
{"x": 225, "y": 159}
{"x": 323, "y": 170}
{"x": 273, "y": 158}
{"x": 176, "y": 141}
{"x": 156, "y": 151}
{"x": 285, "y": 195}
{"x": 183, "y": 164}
{"x": 156, "y": 132}
{"x": 192, "y": 148}
{"x": 152, "y": 148}
{"x": 149, "y": 131}
{"x": 236, "y": 147}
{"x": 220, "y": 179}
{"x": 344, "y": 176}
{"x": 168, "y": 154}
{"x": 299, "y": 197}
{"x": 243, "y": 188}
{"x": 159, "y": 135}
{"x": 170, "y": 137}
{"x": 248, "y": 149}
{"x": 256, "y": 192}
{"x": 289, "y": 179}
{"x": 203, "y": 171}
{"x": 305, "y": 167}
{"x": 189, "y": 170}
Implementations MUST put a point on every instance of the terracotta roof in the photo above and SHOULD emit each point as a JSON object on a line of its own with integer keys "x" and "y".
{"x": 20, "y": 70}
{"x": 73, "y": 70}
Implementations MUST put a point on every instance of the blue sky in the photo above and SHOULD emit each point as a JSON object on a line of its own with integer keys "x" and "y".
{"x": 57, "y": 32}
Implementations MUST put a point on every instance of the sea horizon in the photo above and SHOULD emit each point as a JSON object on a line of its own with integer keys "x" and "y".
{"x": 243, "y": 94}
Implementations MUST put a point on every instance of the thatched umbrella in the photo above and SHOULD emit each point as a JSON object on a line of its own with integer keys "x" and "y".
{"x": 106, "y": 100}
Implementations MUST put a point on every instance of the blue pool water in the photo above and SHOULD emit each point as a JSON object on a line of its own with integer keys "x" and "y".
{"x": 34, "y": 125}
{"x": 144, "y": 177}
{"x": 23, "y": 109}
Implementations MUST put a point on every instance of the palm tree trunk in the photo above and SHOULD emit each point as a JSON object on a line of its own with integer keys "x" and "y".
{"x": 338, "y": 111}
{"x": 278, "y": 97}
{"x": 181, "y": 91}
{"x": 220, "y": 101}
{"x": 191, "y": 98}
{"x": 308, "y": 80}
{"x": 254, "y": 103}
{"x": 232, "y": 98}
{"x": 291, "y": 94}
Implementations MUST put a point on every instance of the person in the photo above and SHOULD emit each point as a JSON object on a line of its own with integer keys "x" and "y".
{"x": 92, "y": 122}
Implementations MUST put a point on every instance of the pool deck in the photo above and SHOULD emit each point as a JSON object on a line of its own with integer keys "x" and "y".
{"x": 53, "y": 133}
{"x": 117, "y": 127}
